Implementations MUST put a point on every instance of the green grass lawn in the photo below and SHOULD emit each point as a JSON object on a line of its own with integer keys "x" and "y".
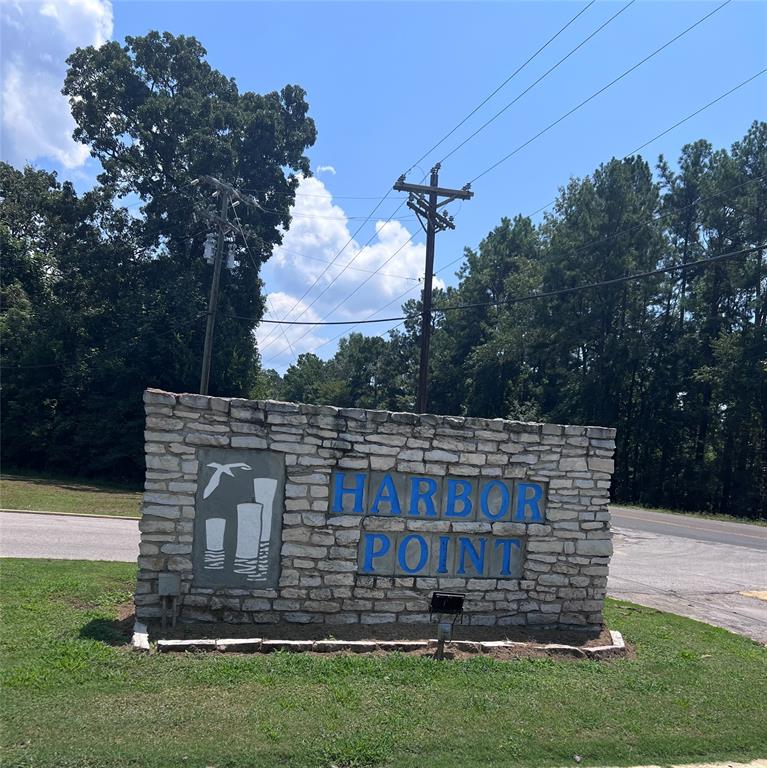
{"x": 50, "y": 494}
{"x": 73, "y": 696}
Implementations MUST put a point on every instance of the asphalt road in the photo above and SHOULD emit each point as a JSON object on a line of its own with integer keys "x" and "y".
{"x": 68, "y": 537}
{"x": 699, "y": 529}
{"x": 691, "y": 566}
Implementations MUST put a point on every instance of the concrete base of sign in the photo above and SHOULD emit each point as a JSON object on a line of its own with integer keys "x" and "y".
{"x": 615, "y": 649}
{"x": 140, "y": 639}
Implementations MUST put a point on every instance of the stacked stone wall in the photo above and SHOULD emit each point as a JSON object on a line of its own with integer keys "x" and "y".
{"x": 566, "y": 556}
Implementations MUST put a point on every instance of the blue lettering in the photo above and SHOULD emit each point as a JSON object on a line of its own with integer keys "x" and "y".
{"x": 426, "y": 496}
{"x": 444, "y": 543}
{"x": 372, "y": 552}
{"x": 506, "y": 545}
{"x": 528, "y": 496}
{"x": 485, "y": 498}
{"x": 477, "y": 558}
{"x": 402, "y": 553}
{"x": 389, "y": 497}
{"x": 340, "y": 489}
{"x": 454, "y": 495}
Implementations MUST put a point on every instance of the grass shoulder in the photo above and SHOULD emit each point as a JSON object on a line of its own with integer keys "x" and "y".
{"x": 30, "y": 491}
{"x": 698, "y": 515}
{"x": 690, "y": 693}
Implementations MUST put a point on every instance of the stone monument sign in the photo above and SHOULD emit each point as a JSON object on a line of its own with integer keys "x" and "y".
{"x": 280, "y": 512}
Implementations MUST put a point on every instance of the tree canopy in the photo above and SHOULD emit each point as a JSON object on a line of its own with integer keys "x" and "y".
{"x": 104, "y": 293}
{"x": 677, "y": 361}
{"x": 101, "y": 300}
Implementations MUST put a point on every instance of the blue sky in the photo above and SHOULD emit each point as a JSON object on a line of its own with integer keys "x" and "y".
{"x": 385, "y": 81}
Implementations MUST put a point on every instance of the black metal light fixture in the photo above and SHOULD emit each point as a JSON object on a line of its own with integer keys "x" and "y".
{"x": 450, "y": 604}
{"x": 446, "y": 602}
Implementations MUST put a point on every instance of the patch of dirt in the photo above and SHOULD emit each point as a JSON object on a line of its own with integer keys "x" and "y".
{"x": 126, "y": 613}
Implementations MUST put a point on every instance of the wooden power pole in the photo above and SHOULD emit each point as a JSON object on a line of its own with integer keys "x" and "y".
{"x": 215, "y": 283}
{"x": 426, "y": 202}
{"x": 227, "y": 193}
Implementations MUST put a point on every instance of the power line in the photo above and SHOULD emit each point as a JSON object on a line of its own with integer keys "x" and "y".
{"x": 591, "y": 244}
{"x": 600, "y": 91}
{"x": 270, "y": 210}
{"x": 298, "y": 253}
{"x": 309, "y": 194}
{"x": 395, "y": 300}
{"x": 270, "y": 337}
{"x": 338, "y": 197}
{"x": 333, "y": 260}
{"x": 666, "y": 215}
{"x": 269, "y": 340}
{"x": 354, "y": 325}
{"x": 659, "y": 217}
{"x": 355, "y": 269}
{"x": 668, "y": 130}
{"x": 255, "y": 267}
{"x": 531, "y": 296}
{"x": 542, "y": 77}
{"x": 601, "y": 283}
{"x": 697, "y": 112}
{"x": 574, "y": 109}
{"x": 345, "y": 299}
{"x": 460, "y": 307}
{"x": 370, "y": 318}
{"x": 501, "y": 86}
{"x": 329, "y": 218}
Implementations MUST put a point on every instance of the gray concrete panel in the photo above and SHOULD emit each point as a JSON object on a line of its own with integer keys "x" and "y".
{"x": 238, "y": 520}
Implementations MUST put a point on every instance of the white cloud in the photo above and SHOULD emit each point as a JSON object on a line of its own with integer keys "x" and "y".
{"x": 286, "y": 339}
{"x": 37, "y": 39}
{"x": 325, "y": 169}
{"x": 363, "y": 279}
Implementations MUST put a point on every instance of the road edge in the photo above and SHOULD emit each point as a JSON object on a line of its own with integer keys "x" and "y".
{"x": 71, "y": 514}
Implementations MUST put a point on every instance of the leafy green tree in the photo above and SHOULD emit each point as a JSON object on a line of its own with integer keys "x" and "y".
{"x": 71, "y": 310}
{"x": 158, "y": 116}
{"x": 100, "y": 303}
{"x": 358, "y": 364}
{"x": 268, "y": 385}
{"x": 677, "y": 361}
{"x": 310, "y": 380}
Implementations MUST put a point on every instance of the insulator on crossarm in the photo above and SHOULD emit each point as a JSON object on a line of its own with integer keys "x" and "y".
{"x": 231, "y": 263}
{"x": 209, "y": 248}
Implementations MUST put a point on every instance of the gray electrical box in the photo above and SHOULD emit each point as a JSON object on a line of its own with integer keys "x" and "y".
{"x": 169, "y": 585}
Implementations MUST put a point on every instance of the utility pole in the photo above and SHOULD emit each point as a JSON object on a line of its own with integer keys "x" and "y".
{"x": 426, "y": 202}
{"x": 227, "y": 192}
{"x": 223, "y": 225}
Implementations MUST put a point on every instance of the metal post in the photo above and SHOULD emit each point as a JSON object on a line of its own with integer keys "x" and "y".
{"x": 213, "y": 300}
{"x": 423, "y": 364}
